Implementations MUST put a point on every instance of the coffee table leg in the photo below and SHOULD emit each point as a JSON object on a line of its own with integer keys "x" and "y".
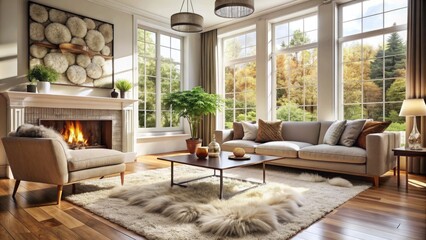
{"x": 397, "y": 170}
{"x": 406, "y": 173}
{"x": 264, "y": 175}
{"x": 221, "y": 184}
{"x": 171, "y": 177}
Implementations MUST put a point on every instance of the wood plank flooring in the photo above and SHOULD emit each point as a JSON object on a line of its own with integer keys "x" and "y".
{"x": 378, "y": 213}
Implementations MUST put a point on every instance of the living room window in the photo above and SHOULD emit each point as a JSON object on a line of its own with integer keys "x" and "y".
{"x": 239, "y": 59}
{"x": 295, "y": 69}
{"x": 372, "y": 60}
{"x": 159, "y": 63}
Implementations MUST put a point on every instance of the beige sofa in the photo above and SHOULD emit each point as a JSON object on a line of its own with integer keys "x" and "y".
{"x": 302, "y": 148}
{"x": 45, "y": 160}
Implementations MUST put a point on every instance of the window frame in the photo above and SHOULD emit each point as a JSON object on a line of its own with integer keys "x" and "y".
{"x": 276, "y": 52}
{"x": 358, "y": 36}
{"x": 158, "y": 33}
{"x": 224, "y": 63}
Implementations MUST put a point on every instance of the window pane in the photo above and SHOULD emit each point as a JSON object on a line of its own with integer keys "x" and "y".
{"x": 175, "y": 43}
{"x": 352, "y": 51}
{"x": 310, "y": 114}
{"x": 352, "y": 27}
{"x": 251, "y": 39}
{"x": 397, "y": 17}
{"x": 373, "y": 111}
{"x": 372, "y": 7}
{"x": 296, "y": 26}
{"x": 352, "y": 92}
{"x": 281, "y": 30}
{"x": 150, "y": 37}
{"x": 165, "y": 52}
{"x": 395, "y": 90}
{"x": 164, "y": 40}
{"x": 395, "y": 4}
{"x": 311, "y": 23}
{"x": 373, "y": 91}
{"x": 175, "y": 55}
{"x": 372, "y": 47}
{"x": 351, "y": 12}
{"x": 352, "y": 112}
{"x": 150, "y": 50}
{"x": 281, "y": 43}
{"x": 395, "y": 43}
{"x": 372, "y": 23}
{"x": 150, "y": 119}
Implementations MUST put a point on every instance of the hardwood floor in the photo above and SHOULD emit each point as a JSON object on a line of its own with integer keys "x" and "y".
{"x": 378, "y": 213}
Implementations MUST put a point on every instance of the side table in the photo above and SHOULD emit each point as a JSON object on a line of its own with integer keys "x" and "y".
{"x": 406, "y": 152}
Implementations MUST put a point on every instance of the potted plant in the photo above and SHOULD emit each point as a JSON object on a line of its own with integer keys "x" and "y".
{"x": 44, "y": 76}
{"x": 193, "y": 105}
{"x": 123, "y": 85}
{"x": 31, "y": 87}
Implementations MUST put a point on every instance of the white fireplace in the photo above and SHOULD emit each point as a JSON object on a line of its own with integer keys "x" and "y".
{"x": 23, "y": 107}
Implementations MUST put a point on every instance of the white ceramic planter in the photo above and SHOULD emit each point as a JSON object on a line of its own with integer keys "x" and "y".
{"x": 43, "y": 87}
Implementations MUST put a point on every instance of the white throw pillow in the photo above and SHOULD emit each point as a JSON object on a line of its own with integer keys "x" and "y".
{"x": 334, "y": 132}
{"x": 250, "y": 131}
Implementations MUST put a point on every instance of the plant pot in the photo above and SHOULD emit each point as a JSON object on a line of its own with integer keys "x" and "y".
{"x": 122, "y": 94}
{"x": 43, "y": 87}
{"x": 193, "y": 144}
{"x": 31, "y": 88}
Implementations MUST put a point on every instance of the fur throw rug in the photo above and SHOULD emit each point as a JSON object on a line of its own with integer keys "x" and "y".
{"x": 336, "y": 181}
{"x": 257, "y": 210}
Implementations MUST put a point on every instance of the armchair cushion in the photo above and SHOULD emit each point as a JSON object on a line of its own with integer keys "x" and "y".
{"x": 93, "y": 158}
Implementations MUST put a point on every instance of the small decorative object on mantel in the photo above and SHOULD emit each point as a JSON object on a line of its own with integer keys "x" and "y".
{"x": 80, "y": 49}
{"x": 123, "y": 85}
{"x": 114, "y": 94}
{"x": 214, "y": 149}
{"x": 31, "y": 87}
{"x": 44, "y": 76}
{"x": 202, "y": 152}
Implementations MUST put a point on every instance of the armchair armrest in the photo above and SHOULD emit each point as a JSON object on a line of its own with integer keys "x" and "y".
{"x": 223, "y": 135}
{"x": 380, "y": 158}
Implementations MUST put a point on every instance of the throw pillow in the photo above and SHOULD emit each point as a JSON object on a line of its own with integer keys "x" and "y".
{"x": 269, "y": 131}
{"x": 334, "y": 132}
{"x": 371, "y": 127}
{"x": 250, "y": 131}
{"x": 238, "y": 130}
{"x": 351, "y": 132}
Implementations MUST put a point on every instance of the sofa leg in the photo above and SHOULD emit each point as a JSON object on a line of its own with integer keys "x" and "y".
{"x": 376, "y": 181}
{"x": 15, "y": 189}
{"x": 122, "y": 178}
{"x": 59, "y": 194}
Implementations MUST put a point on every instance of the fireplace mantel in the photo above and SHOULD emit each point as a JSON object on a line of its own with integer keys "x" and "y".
{"x": 26, "y": 99}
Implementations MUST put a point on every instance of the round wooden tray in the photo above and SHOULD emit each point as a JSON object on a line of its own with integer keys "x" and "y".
{"x": 233, "y": 157}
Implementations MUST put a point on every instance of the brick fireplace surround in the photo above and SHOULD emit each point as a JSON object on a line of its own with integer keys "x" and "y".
{"x": 23, "y": 107}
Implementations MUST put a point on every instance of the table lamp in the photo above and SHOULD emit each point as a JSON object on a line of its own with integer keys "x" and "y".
{"x": 413, "y": 107}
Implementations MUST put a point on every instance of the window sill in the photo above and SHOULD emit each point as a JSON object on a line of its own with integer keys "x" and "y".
{"x": 144, "y": 136}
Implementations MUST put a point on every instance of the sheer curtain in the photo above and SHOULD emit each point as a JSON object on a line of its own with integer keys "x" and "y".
{"x": 208, "y": 79}
{"x": 416, "y": 71}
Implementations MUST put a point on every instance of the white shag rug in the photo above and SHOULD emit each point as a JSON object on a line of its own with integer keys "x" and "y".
{"x": 172, "y": 217}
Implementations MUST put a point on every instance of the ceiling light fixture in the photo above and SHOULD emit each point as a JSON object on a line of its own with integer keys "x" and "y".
{"x": 189, "y": 22}
{"x": 233, "y": 8}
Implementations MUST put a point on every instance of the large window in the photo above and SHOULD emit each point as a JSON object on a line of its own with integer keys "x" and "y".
{"x": 373, "y": 55}
{"x": 295, "y": 74}
{"x": 159, "y": 59}
{"x": 240, "y": 78}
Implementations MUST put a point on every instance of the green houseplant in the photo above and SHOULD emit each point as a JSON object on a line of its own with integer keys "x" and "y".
{"x": 44, "y": 76}
{"x": 193, "y": 105}
{"x": 123, "y": 85}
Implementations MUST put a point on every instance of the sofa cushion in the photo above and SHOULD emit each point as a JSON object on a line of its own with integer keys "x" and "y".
{"x": 334, "y": 153}
{"x": 301, "y": 131}
{"x": 250, "y": 131}
{"x": 269, "y": 131}
{"x": 92, "y": 158}
{"x": 324, "y": 127}
{"x": 246, "y": 144}
{"x": 352, "y": 130}
{"x": 334, "y": 132}
{"x": 281, "y": 148}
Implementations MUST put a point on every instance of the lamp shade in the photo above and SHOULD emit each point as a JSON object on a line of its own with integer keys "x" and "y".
{"x": 187, "y": 22}
{"x": 233, "y": 8}
{"x": 413, "y": 107}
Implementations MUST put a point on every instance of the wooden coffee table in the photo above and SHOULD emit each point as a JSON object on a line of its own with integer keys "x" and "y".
{"x": 221, "y": 163}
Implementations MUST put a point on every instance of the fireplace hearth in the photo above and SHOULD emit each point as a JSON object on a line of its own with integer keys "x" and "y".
{"x": 80, "y": 134}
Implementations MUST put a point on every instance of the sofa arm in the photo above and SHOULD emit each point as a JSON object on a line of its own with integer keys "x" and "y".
{"x": 223, "y": 135}
{"x": 380, "y": 158}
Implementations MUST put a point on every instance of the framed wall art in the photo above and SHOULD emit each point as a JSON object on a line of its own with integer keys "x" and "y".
{"x": 79, "y": 48}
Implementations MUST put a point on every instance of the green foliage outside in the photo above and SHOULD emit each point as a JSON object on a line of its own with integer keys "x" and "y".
{"x": 193, "y": 105}
{"x": 123, "y": 85}
{"x": 43, "y": 73}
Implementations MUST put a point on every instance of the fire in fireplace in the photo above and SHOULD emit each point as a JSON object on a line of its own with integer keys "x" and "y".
{"x": 81, "y": 134}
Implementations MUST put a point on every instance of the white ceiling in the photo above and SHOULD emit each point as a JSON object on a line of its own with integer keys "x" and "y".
{"x": 162, "y": 9}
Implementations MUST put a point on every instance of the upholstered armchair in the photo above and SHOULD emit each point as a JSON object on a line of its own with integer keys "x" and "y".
{"x": 46, "y": 160}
